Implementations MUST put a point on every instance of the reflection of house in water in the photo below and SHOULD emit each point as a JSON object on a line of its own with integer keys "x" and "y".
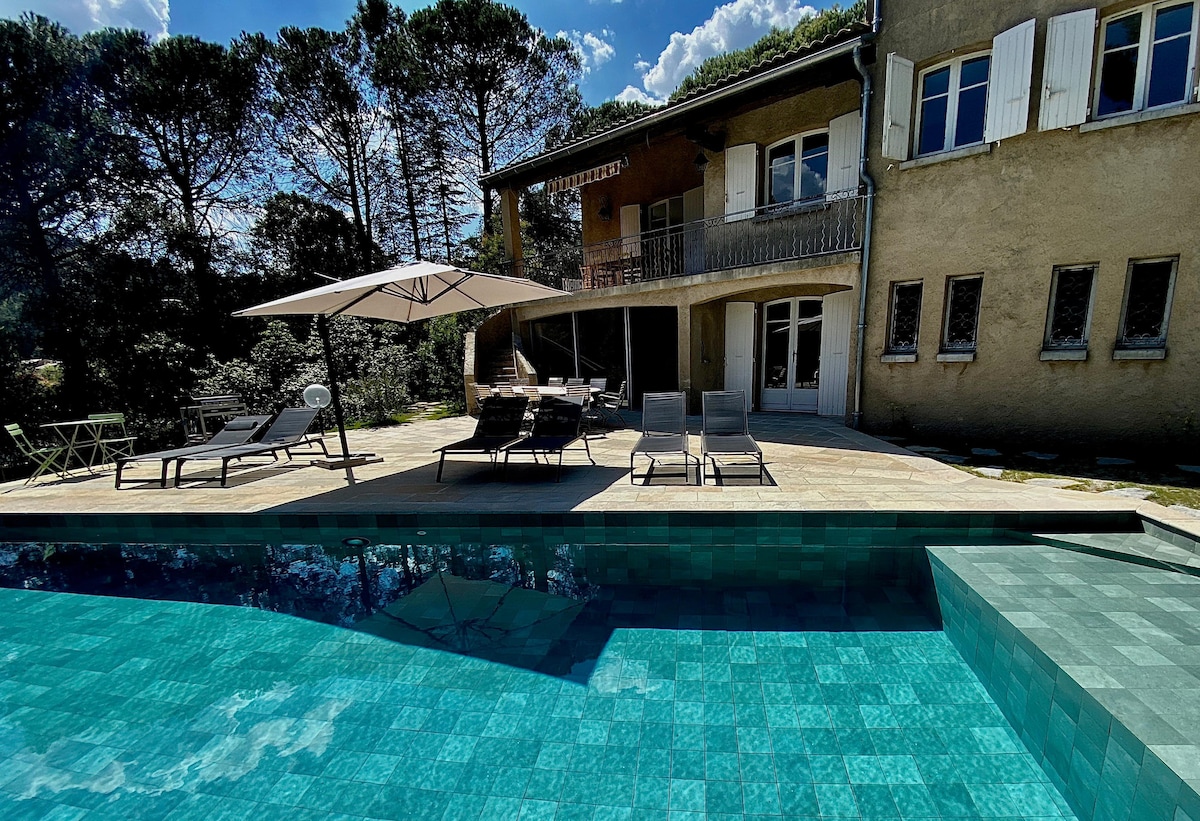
{"x": 1024, "y": 262}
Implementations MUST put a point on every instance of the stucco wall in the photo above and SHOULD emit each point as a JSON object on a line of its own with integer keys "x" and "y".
{"x": 1035, "y": 201}
{"x": 666, "y": 168}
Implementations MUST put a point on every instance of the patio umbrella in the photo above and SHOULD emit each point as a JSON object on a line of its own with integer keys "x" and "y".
{"x": 406, "y": 293}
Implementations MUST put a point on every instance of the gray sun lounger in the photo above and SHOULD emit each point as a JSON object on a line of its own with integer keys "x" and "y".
{"x": 499, "y": 424}
{"x": 726, "y": 430}
{"x": 556, "y": 426}
{"x": 237, "y": 431}
{"x": 664, "y": 432}
{"x": 289, "y": 430}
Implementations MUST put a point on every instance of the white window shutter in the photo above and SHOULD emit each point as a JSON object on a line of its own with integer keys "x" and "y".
{"x": 631, "y": 230}
{"x": 897, "y": 107}
{"x": 1070, "y": 42}
{"x": 741, "y": 181}
{"x": 845, "y": 135}
{"x": 1008, "y": 83}
{"x": 693, "y": 204}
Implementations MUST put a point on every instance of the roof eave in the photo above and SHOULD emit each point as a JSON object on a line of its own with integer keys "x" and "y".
{"x": 498, "y": 179}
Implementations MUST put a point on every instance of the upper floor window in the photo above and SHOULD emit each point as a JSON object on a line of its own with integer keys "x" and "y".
{"x": 798, "y": 168}
{"x": 1147, "y": 58}
{"x": 953, "y": 104}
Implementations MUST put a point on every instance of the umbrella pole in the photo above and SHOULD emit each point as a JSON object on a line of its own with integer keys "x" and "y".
{"x": 323, "y": 330}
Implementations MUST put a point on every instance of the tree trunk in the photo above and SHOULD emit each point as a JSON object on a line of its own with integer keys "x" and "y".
{"x": 485, "y": 160}
{"x": 60, "y": 339}
{"x": 360, "y": 229}
{"x": 410, "y": 197}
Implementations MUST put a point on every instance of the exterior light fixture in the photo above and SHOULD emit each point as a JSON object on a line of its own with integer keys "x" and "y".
{"x": 701, "y": 162}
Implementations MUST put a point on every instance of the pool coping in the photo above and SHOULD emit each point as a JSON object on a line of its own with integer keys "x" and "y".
{"x": 634, "y": 527}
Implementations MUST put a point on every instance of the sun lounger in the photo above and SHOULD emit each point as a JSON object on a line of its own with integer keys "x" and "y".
{"x": 664, "y": 432}
{"x": 726, "y": 430}
{"x": 556, "y": 426}
{"x": 499, "y": 424}
{"x": 289, "y": 430}
{"x": 237, "y": 431}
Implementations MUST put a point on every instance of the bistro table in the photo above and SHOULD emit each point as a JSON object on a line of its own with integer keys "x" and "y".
{"x": 79, "y": 435}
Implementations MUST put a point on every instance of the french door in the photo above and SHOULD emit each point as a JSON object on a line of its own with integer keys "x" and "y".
{"x": 791, "y": 354}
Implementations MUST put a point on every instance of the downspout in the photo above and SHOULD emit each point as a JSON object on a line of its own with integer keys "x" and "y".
{"x": 869, "y": 182}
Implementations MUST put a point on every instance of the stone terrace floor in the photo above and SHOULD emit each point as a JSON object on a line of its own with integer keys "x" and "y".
{"x": 814, "y": 464}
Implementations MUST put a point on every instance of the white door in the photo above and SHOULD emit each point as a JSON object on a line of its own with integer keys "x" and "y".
{"x": 739, "y": 347}
{"x": 791, "y": 354}
{"x": 836, "y": 312}
{"x": 741, "y": 181}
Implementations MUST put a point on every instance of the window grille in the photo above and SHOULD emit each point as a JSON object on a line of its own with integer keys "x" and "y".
{"x": 962, "y": 313}
{"x": 1147, "y": 303}
{"x": 1070, "y": 307}
{"x": 906, "y": 317}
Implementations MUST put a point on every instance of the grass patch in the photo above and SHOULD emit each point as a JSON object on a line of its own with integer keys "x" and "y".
{"x": 402, "y": 418}
{"x": 443, "y": 412}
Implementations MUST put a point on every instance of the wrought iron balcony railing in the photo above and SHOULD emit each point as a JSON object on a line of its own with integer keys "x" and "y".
{"x": 759, "y": 237}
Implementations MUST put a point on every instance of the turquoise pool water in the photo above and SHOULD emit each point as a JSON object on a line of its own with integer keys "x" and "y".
{"x": 565, "y": 691}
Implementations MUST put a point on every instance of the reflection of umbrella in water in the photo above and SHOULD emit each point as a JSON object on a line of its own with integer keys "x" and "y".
{"x": 485, "y": 619}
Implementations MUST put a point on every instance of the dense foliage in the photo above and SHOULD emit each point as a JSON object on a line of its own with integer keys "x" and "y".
{"x": 776, "y": 42}
{"x": 149, "y": 188}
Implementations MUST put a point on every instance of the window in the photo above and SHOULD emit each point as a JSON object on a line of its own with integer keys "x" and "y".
{"x": 962, "y": 313}
{"x": 665, "y": 213}
{"x": 953, "y": 104}
{"x": 1070, "y": 314}
{"x": 1148, "y": 290}
{"x": 1147, "y": 58}
{"x": 905, "y": 320}
{"x": 791, "y": 181}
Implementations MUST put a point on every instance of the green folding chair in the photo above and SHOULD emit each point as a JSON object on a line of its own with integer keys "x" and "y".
{"x": 112, "y": 447}
{"x": 49, "y": 459}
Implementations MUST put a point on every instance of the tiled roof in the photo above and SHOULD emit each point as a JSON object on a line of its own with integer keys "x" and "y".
{"x": 596, "y": 137}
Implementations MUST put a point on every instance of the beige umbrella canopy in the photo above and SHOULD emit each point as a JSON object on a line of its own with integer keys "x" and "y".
{"x": 406, "y": 293}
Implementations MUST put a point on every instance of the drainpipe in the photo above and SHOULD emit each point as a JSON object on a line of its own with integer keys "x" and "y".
{"x": 856, "y": 416}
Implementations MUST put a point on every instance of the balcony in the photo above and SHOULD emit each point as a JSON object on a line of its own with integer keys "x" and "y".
{"x": 769, "y": 234}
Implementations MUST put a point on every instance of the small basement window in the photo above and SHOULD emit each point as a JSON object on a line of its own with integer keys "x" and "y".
{"x": 962, "y": 314}
{"x": 1149, "y": 287}
{"x": 904, "y": 322}
{"x": 1069, "y": 318}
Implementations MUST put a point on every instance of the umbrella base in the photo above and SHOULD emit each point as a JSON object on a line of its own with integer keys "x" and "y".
{"x": 354, "y": 460}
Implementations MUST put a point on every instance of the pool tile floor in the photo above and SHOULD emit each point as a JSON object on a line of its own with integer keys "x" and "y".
{"x": 126, "y": 708}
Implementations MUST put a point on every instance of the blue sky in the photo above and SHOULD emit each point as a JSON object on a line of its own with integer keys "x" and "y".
{"x": 632, "y": 49}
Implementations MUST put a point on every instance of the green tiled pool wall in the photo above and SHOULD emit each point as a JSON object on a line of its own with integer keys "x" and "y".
{"x": 1103, "y": 770}
{"x": 694, "y": 528}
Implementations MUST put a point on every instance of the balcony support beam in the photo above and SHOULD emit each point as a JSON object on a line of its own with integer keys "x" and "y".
{"x": 510, "y": 220}
{"x": 683, "y": 313}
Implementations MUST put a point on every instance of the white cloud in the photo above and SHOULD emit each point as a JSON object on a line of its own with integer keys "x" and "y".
{"x": 593, "y": 50}
{"x": 151, "y": 16}
{"x": 633, "y": 94}
{"x": 734, "y": 25}
{"x": 642, "y": 65}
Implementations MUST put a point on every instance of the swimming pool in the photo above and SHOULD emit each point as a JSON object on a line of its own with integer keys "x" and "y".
{"x": 518, "y": 680}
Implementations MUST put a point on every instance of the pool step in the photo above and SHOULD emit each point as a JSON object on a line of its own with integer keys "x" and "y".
{"x": 1141, "y": 548}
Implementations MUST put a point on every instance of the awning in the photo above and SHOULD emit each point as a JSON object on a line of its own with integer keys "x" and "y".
{"x": 600, "y": 172}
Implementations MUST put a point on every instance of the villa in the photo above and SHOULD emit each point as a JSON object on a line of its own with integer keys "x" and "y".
{"x": 970, "y": 220}
{"x": 957, "y": 221}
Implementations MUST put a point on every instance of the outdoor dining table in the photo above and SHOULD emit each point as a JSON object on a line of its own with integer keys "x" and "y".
{"x": 79, "y": 435}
